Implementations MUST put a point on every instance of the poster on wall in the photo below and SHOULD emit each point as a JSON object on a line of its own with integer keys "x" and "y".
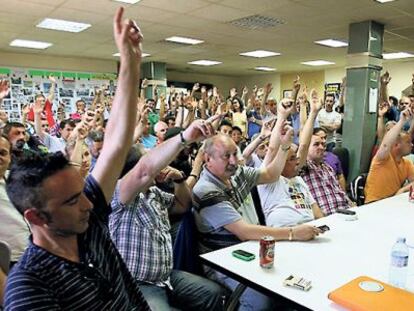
{"x": 25, "y": 84}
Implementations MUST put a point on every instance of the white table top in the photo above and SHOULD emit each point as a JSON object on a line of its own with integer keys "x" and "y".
{"x": 350, "y": 249}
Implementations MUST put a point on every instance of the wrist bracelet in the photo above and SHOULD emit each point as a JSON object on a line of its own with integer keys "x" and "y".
{"x": 180, "y": 180}
{"x": 290, "y": 233}
{"x": 193, "y": 175}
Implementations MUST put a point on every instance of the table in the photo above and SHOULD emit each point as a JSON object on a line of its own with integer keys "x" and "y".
{"x": 350, "y": 249}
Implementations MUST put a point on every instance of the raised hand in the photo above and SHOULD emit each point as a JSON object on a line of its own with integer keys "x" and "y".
{"x": 215, "y": 91}
{"x": 245, "y": 91}
{"x": 267, "y": 127}
{"x": 406, "y": 115}
{"x": 52, "y": 79}
{"x": 196, "y": 87}
{"x": 128, "y": 36}
{"x": 385, "y": 78}
{"x": 315, "y": 102}
{"x": 233, "y": 92}
{"x": 4, "y": 89}
{"x": 296, "y": 84}
{"x": 268, "y": 88}
{"x": 286, "y": 135}
{"x": 285, "y": 108}
{"x": 383, "y": 109}
{"x": 200, "y": 129}
{"x": 203, "y": 90}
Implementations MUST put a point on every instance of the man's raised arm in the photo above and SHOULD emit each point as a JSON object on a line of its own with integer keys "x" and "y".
{"x": 120, "y": 128}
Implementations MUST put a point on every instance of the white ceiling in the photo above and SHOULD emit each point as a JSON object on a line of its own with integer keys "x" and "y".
{"x": 306, "y": 21}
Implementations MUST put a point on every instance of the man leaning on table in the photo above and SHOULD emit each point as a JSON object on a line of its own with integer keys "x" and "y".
{"x": 389, "y": 169}
{"x": 224, "y": 210}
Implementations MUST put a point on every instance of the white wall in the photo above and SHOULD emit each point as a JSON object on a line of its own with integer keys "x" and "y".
{"x": 260, "y": 80}
{"x": 224, "y": 83}
{"x": 401, "y": 74}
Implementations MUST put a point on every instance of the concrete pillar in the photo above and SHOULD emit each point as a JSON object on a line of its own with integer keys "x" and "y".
{"x": 364, "y": 64}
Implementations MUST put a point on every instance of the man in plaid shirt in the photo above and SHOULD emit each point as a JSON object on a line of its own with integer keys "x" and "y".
{"x": 140, "y": 228}
{"x": 321, "y": 180}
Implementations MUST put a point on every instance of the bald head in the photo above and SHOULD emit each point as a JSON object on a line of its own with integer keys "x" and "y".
{"x": 216, "y": 142}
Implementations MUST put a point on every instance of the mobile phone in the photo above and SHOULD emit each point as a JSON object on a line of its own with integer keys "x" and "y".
{"x": 324, "y": 228}
{"x": 243, "y": 255}
{"x": 345, "y": 211}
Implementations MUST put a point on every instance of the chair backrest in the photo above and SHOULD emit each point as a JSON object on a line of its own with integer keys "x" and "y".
{"x": 343, "y": 155}
{"x": 357, "y": 189}
{"x": 5, "y": 255}
{"x": 258, "y": 206}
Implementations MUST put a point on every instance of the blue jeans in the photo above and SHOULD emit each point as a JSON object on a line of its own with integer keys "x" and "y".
{"x": 250, "y": 300}
{"x": 190, "y": 292}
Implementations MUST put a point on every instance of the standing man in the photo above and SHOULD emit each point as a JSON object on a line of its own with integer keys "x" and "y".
{"x": 80, "y": 267}
{"x": 329, "y": 120}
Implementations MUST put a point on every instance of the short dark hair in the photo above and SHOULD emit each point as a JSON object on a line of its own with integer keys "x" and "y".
{"x": 317, "y": 130}
{"x": 330, "y": 95}
{"x": 63, "y": 123}
{"x": 27, "y": 174}
{"x": 225, "y": 123}
{"x": 236, "y": 128}
{"x": 96, "y": 136}
{"x": 133, "y": 157}
{"x": 239, "y": 101}
{"x": 9, "y": 125}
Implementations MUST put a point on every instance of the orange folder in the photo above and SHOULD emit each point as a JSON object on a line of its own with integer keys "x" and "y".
{"x": 354, "y": 298}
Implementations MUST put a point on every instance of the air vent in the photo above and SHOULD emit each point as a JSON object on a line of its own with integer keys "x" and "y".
{"x": 257, "y": 22}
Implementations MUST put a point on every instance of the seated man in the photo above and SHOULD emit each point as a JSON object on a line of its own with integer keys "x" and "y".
{"x": 331, "y": 159}
{"x": 71, "y": 262}
{"x": 389, "y": 169}
{"x": 224, "y": 211}
{"x": 288, "y": 201}
{"x": 321, "y": 180}
{"x": 140, "y": 228}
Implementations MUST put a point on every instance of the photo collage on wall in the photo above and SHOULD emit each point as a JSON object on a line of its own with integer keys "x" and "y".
{"x": 24, "y": 86}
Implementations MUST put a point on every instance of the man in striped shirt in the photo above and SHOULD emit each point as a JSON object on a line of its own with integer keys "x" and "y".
{"x": 71, "y": 263}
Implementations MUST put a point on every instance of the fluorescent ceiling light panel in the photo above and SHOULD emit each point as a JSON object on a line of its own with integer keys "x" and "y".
{"x": 30, "y": 44}
{"x": 332, "y": 43}
{"x": 128, "y": 1}
{"x": 62, "y": 25}
{"x": 397, "y": 55}
{"x": 264, "y": 68}
{"x": 259, "y": 54}
{"x": 143, "y": 54}
{"x": 317, "y": 63}
{"x": 184, "y": 40}
{"x": 384, "y": 1}
{"x": 204, "y": 62}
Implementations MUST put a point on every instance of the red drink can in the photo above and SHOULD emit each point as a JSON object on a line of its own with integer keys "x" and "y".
{"x": 267, "y": 252}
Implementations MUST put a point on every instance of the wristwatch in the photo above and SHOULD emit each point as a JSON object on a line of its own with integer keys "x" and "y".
{"x": 183, "y": 141}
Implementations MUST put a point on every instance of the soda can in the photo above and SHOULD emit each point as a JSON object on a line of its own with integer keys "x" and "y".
{"x": 267, "y": 252}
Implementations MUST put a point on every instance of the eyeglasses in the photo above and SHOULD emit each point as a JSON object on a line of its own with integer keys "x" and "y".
{"x": 263, "y": 146}
{"x": 91, "y": 273}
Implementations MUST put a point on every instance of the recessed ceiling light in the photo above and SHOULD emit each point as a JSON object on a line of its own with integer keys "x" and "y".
{"x": 62, "y": 25}
{"x": 397, "y": 55}
{"x": 384, "y": 1}
{"x": 259, "y": 53}
{"x": 30, "y": 44}
{"x": 264, "y": 68}
{"x": 128, "y": 1}
{"x": 143, "y": 54}
{"x": 184, "y": 40}
{"x": 317, "y": 63}
{"x": 332, "y": 43}
{"x": 204, "y": 62}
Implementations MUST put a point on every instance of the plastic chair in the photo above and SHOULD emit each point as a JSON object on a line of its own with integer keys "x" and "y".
{"x": 5, "y": 256}
{"x": 343, "y": 155}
